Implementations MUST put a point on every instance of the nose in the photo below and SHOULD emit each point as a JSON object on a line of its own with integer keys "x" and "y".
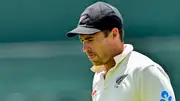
{"x": 85, "y": 47}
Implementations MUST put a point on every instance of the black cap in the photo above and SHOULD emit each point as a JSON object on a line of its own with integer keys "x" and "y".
{"x": 98, "y": 17}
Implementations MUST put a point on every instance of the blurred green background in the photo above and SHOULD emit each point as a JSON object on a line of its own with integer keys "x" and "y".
{"x": 38, "y": 63}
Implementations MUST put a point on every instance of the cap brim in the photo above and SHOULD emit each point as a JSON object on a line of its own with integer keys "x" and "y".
{"x": 82, "y": 30}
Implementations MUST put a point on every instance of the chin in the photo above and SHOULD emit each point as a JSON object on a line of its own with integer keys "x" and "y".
{"x": 97, "y": 64}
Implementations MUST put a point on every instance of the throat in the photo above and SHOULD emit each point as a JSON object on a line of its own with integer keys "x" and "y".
{"x": 111, "y": 63}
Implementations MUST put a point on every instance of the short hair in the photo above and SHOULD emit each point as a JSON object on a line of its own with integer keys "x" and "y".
{"x": 121, "y": 34}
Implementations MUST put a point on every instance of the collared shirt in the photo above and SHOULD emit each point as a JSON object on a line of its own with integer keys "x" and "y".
{"x": 135, "y": 77}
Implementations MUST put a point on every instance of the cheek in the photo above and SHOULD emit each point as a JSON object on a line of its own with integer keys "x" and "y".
{"x": 103, "y": 50}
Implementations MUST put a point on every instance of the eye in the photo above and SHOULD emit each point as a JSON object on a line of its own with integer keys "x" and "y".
{"x": 90, "y": 40}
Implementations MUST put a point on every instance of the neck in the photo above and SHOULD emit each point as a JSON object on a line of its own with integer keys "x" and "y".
{"x": 111, "y": 63}
{"x": 118, "y": 50}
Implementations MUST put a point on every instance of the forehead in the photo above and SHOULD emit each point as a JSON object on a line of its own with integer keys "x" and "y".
{"x": 84, "y": 36}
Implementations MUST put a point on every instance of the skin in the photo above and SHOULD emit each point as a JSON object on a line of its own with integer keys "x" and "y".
{"x": 101, "y": 50}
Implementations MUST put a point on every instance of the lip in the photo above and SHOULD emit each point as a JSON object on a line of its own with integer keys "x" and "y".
{"x": 91, "y": 56}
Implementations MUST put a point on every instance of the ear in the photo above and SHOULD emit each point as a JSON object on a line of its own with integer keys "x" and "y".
{"x": 115, "y": 33}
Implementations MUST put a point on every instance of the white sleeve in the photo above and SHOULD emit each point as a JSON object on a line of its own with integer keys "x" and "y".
{"x": 154, "y": 85}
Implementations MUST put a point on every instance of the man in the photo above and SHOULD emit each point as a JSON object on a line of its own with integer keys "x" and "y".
{"x": 121, "y": 74}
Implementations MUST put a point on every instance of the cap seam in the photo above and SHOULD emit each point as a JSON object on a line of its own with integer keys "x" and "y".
{"x": 100, "y": 8}
{"x": 110, "y": 8}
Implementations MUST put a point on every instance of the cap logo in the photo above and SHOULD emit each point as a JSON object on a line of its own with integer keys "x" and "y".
{"x": 84, "y": 19}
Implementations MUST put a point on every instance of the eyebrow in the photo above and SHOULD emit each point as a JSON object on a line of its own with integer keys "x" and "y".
{"x": 90, "y": 37}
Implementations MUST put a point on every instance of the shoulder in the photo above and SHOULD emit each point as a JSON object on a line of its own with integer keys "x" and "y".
{"x": 148, "y": 77}
{"x": 138, "y": 60}
{"x": 141, "y": 65}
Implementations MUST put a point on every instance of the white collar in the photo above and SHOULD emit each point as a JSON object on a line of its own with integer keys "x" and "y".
{"x": 128, "y": 49}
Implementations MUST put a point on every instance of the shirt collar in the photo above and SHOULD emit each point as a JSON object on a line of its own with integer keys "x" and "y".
{"x": 128, "y": 49}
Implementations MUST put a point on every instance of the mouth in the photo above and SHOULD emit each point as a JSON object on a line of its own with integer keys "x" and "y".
{"x": 91, "y": 56}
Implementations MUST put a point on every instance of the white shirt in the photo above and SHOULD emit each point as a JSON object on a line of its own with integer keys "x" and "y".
{"x": 134, "y": 78}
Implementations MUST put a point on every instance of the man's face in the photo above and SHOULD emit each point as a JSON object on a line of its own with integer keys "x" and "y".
{"x": 96, "y": 47}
